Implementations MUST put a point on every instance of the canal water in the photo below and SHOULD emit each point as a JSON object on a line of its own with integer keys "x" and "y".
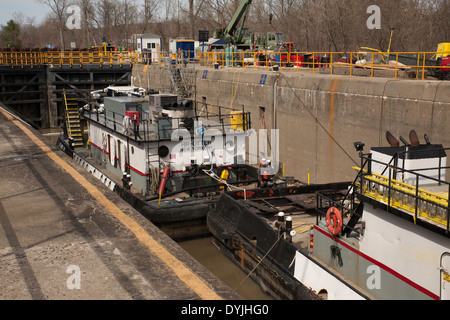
{"x": 205, "y": 252}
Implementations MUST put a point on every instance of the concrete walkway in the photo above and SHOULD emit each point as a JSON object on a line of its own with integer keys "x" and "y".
{"x": 64, "y": 235}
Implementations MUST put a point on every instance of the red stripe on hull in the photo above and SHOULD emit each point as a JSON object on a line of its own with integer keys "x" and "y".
{"x": 381, "y": 265}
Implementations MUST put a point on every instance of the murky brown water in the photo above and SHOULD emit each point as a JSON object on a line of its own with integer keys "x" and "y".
{"x": 205, "y": 252}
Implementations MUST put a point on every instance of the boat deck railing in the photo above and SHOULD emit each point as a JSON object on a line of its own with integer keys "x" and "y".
{"x": 422, "y": 195}
{"x": 161, "y": 128}
{"x": 346, "y": 206}
{"x": 425, "y": 197}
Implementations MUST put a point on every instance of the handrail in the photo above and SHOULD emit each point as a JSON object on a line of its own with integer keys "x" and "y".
{"x": 321, "y": 209}
{"x": 302, "y": 59}
{"x": 415, "y": 199}
{"x": 34, "y": 58}
{"x": 404, "y": 187}
{"x": 114, "y": 120}
{"x": 314, "y": 61}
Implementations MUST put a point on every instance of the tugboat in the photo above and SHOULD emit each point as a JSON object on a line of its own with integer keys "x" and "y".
{"x": 131, "y": 148}
{"x": 383, "y": 236}
{"x": 392, "y": 239}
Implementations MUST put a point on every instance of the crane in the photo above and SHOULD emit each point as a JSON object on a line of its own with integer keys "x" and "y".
{"x": 228, "y": 34}
{"x": 241, "y": 38}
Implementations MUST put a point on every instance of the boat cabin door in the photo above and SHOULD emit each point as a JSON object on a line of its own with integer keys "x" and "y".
{"x": 445, "y": 276}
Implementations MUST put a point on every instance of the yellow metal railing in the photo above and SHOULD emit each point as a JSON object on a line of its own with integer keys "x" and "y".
{"x": 318, "y": 61}
{"x": 315, "y": 62}
{"x": 429, "y": 205}
{"x": 81, "y": 58}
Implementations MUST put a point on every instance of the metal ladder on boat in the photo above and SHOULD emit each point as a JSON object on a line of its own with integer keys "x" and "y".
{"x": 72, "y": 118}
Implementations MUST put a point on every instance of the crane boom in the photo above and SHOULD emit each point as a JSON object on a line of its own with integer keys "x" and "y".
{"x": 228, "y": 34}
{"x": 240, "y": 12}
{"x": 240, "y": 37}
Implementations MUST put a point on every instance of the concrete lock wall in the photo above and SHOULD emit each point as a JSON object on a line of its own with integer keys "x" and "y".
{"x": 320, "y": 116}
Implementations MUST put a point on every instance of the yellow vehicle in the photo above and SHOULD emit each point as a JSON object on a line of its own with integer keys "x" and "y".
{"x": 443, "y": 50}
{"x": 441, "y": 62}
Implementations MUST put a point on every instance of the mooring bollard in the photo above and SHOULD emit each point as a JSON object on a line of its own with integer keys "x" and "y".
{"x": 71, "y": 143}
{"x": 289, "y": 232}
{"x": 280, "y": 223}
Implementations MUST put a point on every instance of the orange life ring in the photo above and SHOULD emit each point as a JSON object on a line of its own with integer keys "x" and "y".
{"x": 334, "y": 220}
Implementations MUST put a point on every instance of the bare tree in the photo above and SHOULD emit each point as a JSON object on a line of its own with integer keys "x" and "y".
{"x": 28, "y": 32}
{"x": 105, "y": 17}
{"x": 150, "y": 7}
{"x": 127, "y": 18}
{"x": 313, "y": 25}
{"x": 58, "y": 8}
{"x": 87, "y": 22}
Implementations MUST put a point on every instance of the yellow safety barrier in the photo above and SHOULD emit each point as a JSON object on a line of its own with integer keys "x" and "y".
{"x": 430, "y": 205}
{"x": 327, "y": 62}
{"x": 81, "y": 58}
{"x": 349, "y": 63}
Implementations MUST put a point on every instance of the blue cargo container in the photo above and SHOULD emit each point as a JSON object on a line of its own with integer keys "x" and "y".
{"x": 187, "y": 48}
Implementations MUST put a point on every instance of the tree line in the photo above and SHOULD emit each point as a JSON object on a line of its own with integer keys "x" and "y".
{"x": 313, "y": 25}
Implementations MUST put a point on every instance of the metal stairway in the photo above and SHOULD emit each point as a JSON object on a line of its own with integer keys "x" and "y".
{"x": 177, "y": 80}
{"x": 73, "y": 123}
{"x": 182, "y": 78}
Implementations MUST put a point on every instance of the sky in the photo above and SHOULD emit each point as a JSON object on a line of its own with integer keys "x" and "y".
{"x": 29, "y": 8}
